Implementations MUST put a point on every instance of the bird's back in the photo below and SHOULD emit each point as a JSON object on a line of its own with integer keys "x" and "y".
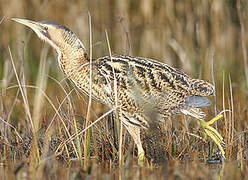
{"x": 144, "y": 83}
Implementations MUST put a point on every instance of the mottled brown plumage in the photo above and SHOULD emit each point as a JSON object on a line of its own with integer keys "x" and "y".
{"x": 144, "y": 86}
{"x": 144, "y": 82}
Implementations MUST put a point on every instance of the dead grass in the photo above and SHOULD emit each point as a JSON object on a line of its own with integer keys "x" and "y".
{"x": 44, "y": 120}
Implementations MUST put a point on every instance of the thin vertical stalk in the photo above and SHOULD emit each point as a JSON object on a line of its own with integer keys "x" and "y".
{"x": 120, "y": 124}
{"x": 232, "y": 117}
{"x": 87, "y": 134}
{"x": 213, "y": 82}
{"x": 224, "y": 107}
{"x": 26, "y": 106}
{"x": 38, "y": 102}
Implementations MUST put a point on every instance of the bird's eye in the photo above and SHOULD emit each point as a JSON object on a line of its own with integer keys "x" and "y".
{"x": 46, "y": 28}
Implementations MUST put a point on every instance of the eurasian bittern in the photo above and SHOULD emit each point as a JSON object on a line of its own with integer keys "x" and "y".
{"x": 144, "y": 86}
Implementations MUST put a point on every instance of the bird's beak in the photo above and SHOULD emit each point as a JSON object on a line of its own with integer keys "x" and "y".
{"x": 32, "y": 24}
{"x": 35, "y": 26}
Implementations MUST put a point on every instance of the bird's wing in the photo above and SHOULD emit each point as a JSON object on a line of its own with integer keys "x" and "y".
{"x": 145, "y": 81}
{"x": 146, "y": 72}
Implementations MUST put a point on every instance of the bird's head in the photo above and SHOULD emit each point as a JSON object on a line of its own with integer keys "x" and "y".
{"x": 53, "y": 33}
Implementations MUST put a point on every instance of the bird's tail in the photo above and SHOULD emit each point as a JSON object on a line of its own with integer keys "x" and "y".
{"x": 197, "y": 101}
{"x": 202, "y": 88}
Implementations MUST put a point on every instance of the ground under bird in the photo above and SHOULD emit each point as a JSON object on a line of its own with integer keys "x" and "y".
{"x": 141, "y": 83}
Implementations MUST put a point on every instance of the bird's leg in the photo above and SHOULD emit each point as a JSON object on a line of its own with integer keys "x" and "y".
{"x": 135, "y": 133}
{"x": 213, "y": 133}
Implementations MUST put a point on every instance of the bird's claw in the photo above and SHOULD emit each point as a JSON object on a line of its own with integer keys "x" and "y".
{"x": 213, "y": 133}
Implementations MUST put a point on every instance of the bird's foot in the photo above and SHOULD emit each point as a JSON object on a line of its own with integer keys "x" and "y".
{"x": 213, "y": 133}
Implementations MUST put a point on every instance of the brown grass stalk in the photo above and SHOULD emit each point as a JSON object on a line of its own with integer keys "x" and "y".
{"x": 54, "y": 108}
{"x": 119, "y": 119}
{"x": 85, "y": 129}
{"x": 26, "y": 106}
{"x": 38, "y": 102}
{"x": 87, "y": 122}
{"x": 231, "y": 115}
